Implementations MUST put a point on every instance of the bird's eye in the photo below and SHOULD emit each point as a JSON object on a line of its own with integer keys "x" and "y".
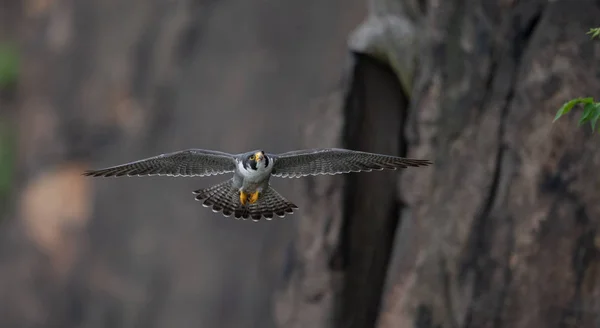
{"x": 252, "y": 157}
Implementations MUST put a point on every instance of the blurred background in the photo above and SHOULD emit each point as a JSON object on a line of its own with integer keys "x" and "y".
{"x": 502, "y": 231}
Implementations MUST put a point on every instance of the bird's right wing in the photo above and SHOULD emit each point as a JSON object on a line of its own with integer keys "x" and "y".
{"x": 190, "y": 162}
{"x": 331, "y": 161}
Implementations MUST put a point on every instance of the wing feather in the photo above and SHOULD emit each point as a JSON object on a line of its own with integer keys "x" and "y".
{"x": 190, "y": 162}
{"x": 331, "y": 161}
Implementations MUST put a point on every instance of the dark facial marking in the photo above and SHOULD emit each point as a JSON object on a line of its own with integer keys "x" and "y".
{"x": 249, "y": 162}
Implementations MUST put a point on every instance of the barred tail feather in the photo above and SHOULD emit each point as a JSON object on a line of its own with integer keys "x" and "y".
{"x": 269, "y": 204}
{"x": 221, "y": 197}
{"x": 224, "y": 198}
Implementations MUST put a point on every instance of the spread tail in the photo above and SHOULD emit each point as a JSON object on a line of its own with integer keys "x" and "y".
{"x": 269, "y": 203}
{"x": 224, "y": 198}
{"x": 221, "y": 197}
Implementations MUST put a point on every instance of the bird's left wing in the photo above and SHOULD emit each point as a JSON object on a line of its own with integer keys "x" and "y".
{"x": 331, "y": 161}
{"x": 190, "y": 162}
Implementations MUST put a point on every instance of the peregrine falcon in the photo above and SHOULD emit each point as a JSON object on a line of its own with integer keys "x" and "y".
{"x": 248, "y": 193}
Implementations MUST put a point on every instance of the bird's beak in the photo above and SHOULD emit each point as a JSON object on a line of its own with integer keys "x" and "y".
{"x": 259, "y": 156}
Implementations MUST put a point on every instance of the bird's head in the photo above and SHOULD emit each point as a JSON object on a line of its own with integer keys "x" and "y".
{"x": 256, "y": 160}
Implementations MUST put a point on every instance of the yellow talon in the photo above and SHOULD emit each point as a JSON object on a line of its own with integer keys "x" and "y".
{"x": 253, "y": 197}
{"x": 243, "y": 197}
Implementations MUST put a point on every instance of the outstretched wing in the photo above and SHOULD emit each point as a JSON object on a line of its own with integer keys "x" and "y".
{"x": 190, "y": 162}
{"x": 331, "y": 161}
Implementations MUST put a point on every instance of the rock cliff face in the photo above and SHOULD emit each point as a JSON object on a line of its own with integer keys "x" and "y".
{"x": 503, "y": 230}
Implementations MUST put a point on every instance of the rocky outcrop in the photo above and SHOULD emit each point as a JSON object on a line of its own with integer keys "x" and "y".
{"x": 502, "y": 231}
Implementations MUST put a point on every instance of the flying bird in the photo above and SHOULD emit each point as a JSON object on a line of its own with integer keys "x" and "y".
{"x": 248, "y": 193}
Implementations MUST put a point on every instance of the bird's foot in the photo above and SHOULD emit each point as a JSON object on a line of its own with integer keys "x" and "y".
{"x": 248, "y": 198}
{"x": 253, "y": 197}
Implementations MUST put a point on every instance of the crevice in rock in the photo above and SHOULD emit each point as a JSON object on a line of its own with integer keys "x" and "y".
{"x": 478, "y": 247}
{"x": 506, "y": 275}
{"x": 424, "y": 317}
{"x": 584, "y": 253}
{"x": 353, "y": 113}
{"x": 367, "y": 239}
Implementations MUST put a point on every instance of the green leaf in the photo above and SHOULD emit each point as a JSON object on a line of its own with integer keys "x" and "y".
{"x": 595, "y": 116}
{"x": 588, "y": 112}
{"x": 594, "y": 32}
{"x": 570, "y": 104}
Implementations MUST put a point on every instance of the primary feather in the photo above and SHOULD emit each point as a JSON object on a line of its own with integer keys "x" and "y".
{"x": 331, "y": 161}
{"x": 191, "y": 162}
